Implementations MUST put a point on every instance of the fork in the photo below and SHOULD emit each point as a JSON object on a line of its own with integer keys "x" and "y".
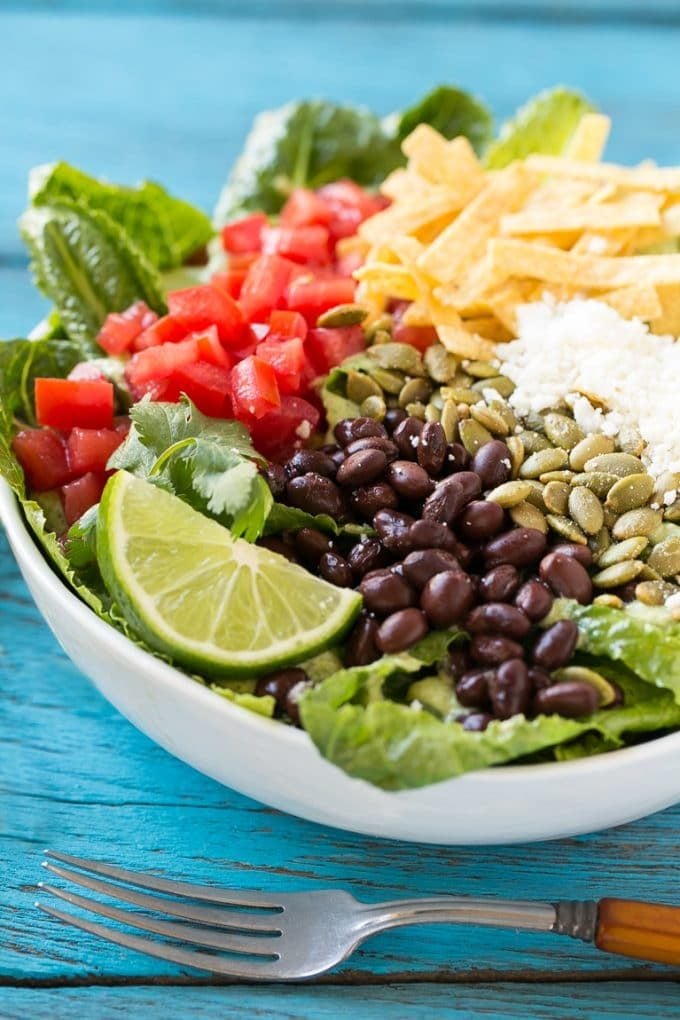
{"x": 292, "y": 936}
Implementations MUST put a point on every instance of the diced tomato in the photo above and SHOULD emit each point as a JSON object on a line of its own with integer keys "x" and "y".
{"x": 164, "y": 331}
{"x": 89, "y": 449}
{"x": 350, "y": 195}
{"x": 245, "y": 234}
{"x": 199, "y": 307}
{"x": 326, "y": 348}
{"x": 80, "y": 495}
{"x": 231, "y": 280}
{"x": 264, "y": 286}
{"x": 211, "y": 350}
{"x": 206, "y": 385}
{"x": 308, "y": 244}
{"x": 284, "y": 325}
{"x": 254, "y": 389}
{"x": 287, "y": 358}
{"x": 121, "y": 328}
{"x": 42, "y": 455}
{"x": 303, "y": 208}
{"x": 281, "y": 431}
{"x": 66, "y": 403}
{"x": 420, "y": 337}
{"x": 348, "y": 264}
{"x": 150, "y": 366}
{"x": 311, "y": 296}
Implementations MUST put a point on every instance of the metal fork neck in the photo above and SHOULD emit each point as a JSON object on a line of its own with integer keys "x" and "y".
{"x": 460, "y": 910}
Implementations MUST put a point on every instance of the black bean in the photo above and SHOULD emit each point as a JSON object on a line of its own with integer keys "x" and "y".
{"x": 469, "y": 482}
{"x": 492, "y": 463}
{"x": 349, "y": 429}
{"x": 393, "y": 417}
{"x": 407, "y": 437}
{"x": 285, "y": 686}
{"x": 366, "y": 555}
{"x": 431, "y": 452}
{"x": 337, "y": 456}
{"x": 556, "y": 645}
{"x": 361, "y": 648}
{"x": 472, "y": 689}
{"x": 567, "y": 577}
{"x": 540, "y": 678}
{"x": 445, "y": 503}
{"x": 401, "y": 630}
{"x": 422, "y": 564}
{"x": 385, "y": 592}
{"x": 315, "y": 494}
{"x": 534, "y": 599}
{"x": 361, "y": 468}
{"x": 571, "y": 699}
{"x": 310, "y": 460}
{"x": 500, "y": 583}
{"x": 446, "y": 598}
{"x": 409, "y": 480}
{"x": 310, "y": 545}
{"x": 336, "y": 569}
{"x": 492, "y": 650}
{"x": 276, "y": 478}
{"x": 476, "y": 722}
{"x": 427, "y": 534}
{"x": 456, "y": 662}
{"x": 579, "y": 552}
{"x": 498, "y": 618}
{"x": 393, "y": 529}
{"x": 278, "y": 545}
{"x": 457, "y": 457}
{"x": 521, "y": 547}
{"x": 510, "y": 689}
{"x": 373, "y": 443}
{"x": 368, "y": 499}
{"x": 480, "y": 520}
{"x": 626, "y": 592}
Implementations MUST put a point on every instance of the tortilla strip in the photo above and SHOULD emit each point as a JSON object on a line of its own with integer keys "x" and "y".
{"x": 590, "y": 138}
{"x": 639, "y": 210}
{"x": 389, "y": 279}
{"x": 669, "y": 319}
{"x": 488, "y": 327}
{"x": 407, "y": 216}
{"x": 644, "y": 178}
{"x": 641, "y": 302}
{"x": 451, "y": 163}
{"x": 614, "y": 242}
{"x": 520, "y": 258}
{"x": 504, "y": 301}
{"x": 459, "y": 341}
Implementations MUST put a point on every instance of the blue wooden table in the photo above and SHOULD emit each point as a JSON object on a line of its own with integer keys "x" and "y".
{"x": 168, "y": 90}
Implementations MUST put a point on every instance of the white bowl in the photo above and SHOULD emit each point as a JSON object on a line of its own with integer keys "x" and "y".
{"x": 280, "y": 766}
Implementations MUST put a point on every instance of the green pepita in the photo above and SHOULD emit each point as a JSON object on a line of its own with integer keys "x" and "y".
{"x": 480, "y": 369}
{"x": 509, "y": 494}
{"x": 618, "y": 574}
{"x": 490, "y": 418}
{"x": 473, "y": 435}
{"x": 526, "y": 515}
{"x": 516, "y": 451}
{"x": 416, "y": 410}
{"x": 360, "y": 386}
{"x": 654, "y": 593}
{"x": 620, "y": 464}
{"x": 586, "y": 509}
{"x": 432, "y": 411}
{"x": 641, "y": 521}
{"x": 629, "y": 549}
{"x": 583, "y": 675}
{"x": 563, "y": 431}
{"x": 565, "y": 527}
{"x": 374, "y": 407}
{"x": 402, "y": 357}
{"x": 609, "y": 600}
{"x": 591, "y": 446}
{"x": 464, "y": 395}
{"x": 503, "y": 386}
{"x": 665, "y": 557}
{"x": 342, "y": 315}
{"x": 544, "y": 460}
{"x": 630, "y": 440}
{"x": 533, "y": 441}
{"x": 649, "y": 574}
{"x": 601, "y": 541}
{"x": 449, "y": 420}
{"x": 556, "y": 476}
{"x": 630, "y": 492}
{"x": 535, "y": 497}
{"x": 599, "y": 482}
{"x": 440, "y": 364}
{"x": 414, "y": 391}
{"x": 389, "y": 382}
{"x": 556, "y": 497}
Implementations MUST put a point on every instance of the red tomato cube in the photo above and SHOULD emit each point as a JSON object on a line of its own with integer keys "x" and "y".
{"x": 164, "y": 331}
{"x": 206, "y": 385}
{"x": 90, "y": 449}
{"x": 284, "y": 325}
{"x": 254, "y": 389}
{"x": 199, "y": 307}
{"x": 327, "y": 348}
{"x": 66, "y": 403}
{"x": 264, "y": 286}
{"x": 308, "y": 244}
{"x": 287, "y": 359}
{"x": 420, "y": 337}
{"x": 154, "y": 364}
{"x": 42, "y": 455}
{"x": 80, "y": 495}
{"x": 245, "y": 234}
{"x": 279, "y": 432}
{"x": 312, "y": 296}
{"x": 211, "y": 350}
{"x": 303, "y": 208}
{"x": 121, "y": 328}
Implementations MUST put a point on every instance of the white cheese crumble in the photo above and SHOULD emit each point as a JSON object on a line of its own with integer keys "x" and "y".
{"x": 585, "y": 347}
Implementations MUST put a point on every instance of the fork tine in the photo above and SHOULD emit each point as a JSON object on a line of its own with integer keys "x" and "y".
{"x": 206, "y": 937}
{"x": 221, "y": 917}
{"x": 265, "y": 971}
{"x": 235, "y": 898}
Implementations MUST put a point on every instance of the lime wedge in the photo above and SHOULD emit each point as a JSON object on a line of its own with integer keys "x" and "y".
{"x": 214, "y": 603}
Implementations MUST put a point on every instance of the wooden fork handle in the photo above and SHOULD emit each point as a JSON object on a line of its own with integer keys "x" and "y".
{"x": 647, "y": 931}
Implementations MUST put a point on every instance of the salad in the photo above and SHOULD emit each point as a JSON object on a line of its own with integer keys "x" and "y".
{"x": 386, "y": 450}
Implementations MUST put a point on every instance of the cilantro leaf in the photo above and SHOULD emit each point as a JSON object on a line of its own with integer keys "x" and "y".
{"x": 451, "y": 112}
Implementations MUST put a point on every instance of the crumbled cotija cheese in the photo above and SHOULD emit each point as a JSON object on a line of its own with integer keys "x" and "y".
{"x": 580, "y": 346}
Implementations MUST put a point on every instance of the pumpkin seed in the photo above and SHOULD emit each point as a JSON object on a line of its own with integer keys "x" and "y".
{"x": 665, "y": 557}
{"x": 565, "y": 527}
{"x": 516, "y": 451}
{"x": 464, "y": 395}
{"x": 620, "y": 464}
{"x": 535, "y": 497}
{"x": 641, "y": 521}
{"x": 490, "y": 419}
{"x": 588, "y": 448}
{"x": 432, "y": 412}
{"x": 509, "y": 493}
{"x": 384, "y": 322}
{"x": 654, "y": 593}
{"x": 502, "y": 385}
{"x": 481, "y": 369}
{"x": 439, "y": 363}
{"x": 649, "y": 574}
{"x": 342, "y": 315}
{"x": 416, "y": 410}
{"x": 533, "y": 441}
{"x": 534, "y": 422}
{"x": 610, "y": 518}
{"x": 389, "y": 382}
{"x": 599, "y": 482}
{"x": 544, "y": 460}
{"x": 556, "y": 476}
{"x": 629, "y": 549}
{"x": 473, "y": 435}
{"x": 583, "y": 675}
{"x": 413, "y": 392}
{"x": 609, "y": 600}
{"x": 586, "y": 509}
{"x": 360, "y": 386}
{"x": 374, "y": 407}
{"x": 463, "y": 410}
{"x": 666, "y": 482}
{"x": 402, "y": 357}
{"x": 672, "y": 512}
{"x": 630, "y": 492}
{"x": 618, "y": 574}
{"x": 630, "y": 441}
{"x": 449, "y": 420}
{"x": 526, "y": 515}
{"x": 601, "y": 541}
{"x": 563, "y": 431}
{"x": 381, "y": 337}
{"x": 556, "y": 497}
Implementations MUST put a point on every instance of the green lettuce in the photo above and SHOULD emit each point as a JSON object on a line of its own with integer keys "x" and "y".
{"x": 545, "y": 124}
{"x": 451, "y": 112}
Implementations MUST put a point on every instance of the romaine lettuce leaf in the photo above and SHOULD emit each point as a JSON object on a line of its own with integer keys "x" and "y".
{"x": 451, "y": 112}
{"x": 545, "y": 124}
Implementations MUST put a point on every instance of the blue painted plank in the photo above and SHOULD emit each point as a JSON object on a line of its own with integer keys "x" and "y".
{"x": 657, "y": 1001}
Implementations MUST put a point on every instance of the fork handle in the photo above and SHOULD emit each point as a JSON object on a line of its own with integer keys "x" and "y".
{"x": 647, "y": 931}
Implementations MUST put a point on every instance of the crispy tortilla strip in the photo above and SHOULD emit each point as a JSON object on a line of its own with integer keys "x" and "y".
{"x": 402, "y": 183}
{"x": 638, "y": 210}
{"x": 388, "y": 279}
{"x": 615, "y": 242}
{"x": 642, "y": 302}
{"x": 670, "y": 220}
{"x": 409, "y": 215}
{"x": 520, "y": 258}
{"x": 451, "y": 163}
{"x": 561, "y": 192}
{"x": 488, "y": 327}
{"x": 417, "y": 314}
{"x": 459, "y": 341}
{"x": 462, "y": 243}
{"x": 504, "y": 300}
{"x": 643, "y": 178}
{"x": 590, "y": 138}
{"x": 669, "y": 319}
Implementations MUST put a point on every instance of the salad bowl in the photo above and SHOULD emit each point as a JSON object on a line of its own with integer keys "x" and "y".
{"x": 279, "y": 766}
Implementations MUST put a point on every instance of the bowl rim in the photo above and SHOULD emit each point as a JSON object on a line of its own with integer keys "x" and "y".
{"x": 20, "y": 535}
